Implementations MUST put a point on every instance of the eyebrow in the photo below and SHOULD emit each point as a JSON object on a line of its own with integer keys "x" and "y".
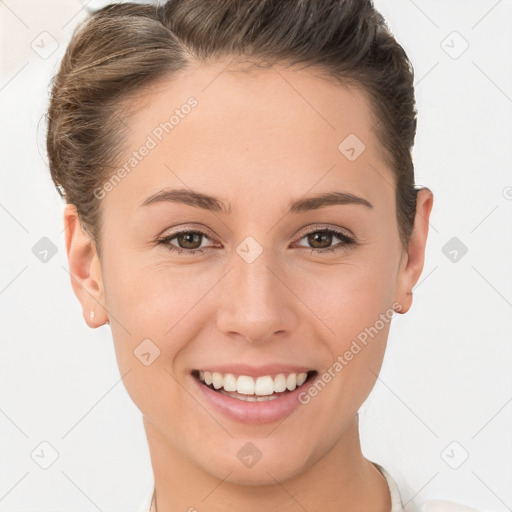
{"x": 206, "y": 202}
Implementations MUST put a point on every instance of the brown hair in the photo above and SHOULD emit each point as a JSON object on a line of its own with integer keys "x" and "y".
{"x": 123, "y": 48}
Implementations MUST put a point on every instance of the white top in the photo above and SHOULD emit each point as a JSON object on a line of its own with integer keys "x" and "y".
{"x": 396, "y": 500}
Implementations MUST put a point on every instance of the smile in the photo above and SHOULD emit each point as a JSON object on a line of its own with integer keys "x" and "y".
{"x": 253, "y": 389}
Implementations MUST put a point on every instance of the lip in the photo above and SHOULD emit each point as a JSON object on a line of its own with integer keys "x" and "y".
{"x": 256, "y": 413}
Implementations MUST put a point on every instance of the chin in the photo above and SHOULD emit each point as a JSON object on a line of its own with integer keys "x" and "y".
{"x": 271, "y": 466}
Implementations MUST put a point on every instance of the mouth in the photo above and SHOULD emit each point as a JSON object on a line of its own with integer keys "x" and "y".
{"x": 248, "y": 388}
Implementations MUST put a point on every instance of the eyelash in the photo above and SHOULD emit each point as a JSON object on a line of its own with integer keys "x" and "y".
{"x": 346, "y": 241}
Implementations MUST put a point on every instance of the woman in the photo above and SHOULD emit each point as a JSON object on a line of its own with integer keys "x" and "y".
{"x": 241, "y": 209}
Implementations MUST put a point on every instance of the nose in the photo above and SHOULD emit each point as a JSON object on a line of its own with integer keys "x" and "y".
{"x": 256, "y": 304}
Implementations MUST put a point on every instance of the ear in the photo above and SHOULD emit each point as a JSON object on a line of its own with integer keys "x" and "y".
{"x": 84, "y": 269}
{"x": 413, "y": 259}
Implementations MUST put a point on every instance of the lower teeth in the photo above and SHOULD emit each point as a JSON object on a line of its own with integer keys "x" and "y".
{"x": 250, "y": 398}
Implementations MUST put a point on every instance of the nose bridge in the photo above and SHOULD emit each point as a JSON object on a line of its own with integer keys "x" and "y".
{"x": 256, "y": 304}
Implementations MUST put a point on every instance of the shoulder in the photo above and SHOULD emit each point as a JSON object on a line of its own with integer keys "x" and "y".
{"x": 428, "y": 506}
{"x": 146, "y": 505}
{"x": 445, "y": 506}
{"x": 396, "y": 500}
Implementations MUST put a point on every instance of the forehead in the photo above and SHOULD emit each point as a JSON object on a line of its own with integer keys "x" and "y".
{"x": 259, "y": 99}
{"x": 251, "y": 128}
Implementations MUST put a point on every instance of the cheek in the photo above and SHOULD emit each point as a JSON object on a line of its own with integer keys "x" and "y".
{"x": 151, "y": 298}
{"x": 350, "y": 296}
{"x": 354, "y": 304}
{"x": 151, "y": 307}
{"x": 154, "y": 309}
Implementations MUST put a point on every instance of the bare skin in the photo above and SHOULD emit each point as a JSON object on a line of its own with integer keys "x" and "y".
{"x": 256, "y": 140}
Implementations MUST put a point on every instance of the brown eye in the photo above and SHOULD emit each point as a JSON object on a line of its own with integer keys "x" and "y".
{"x": 320, "y": 239}
{"x": 186, "y": 241}
{"x": 189, "y": 240}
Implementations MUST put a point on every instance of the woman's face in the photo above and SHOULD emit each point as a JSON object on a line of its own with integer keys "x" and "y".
{"x": 249, "y": 292}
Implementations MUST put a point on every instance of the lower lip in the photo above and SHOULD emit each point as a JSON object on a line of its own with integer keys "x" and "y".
{"x": 256, "y": 413}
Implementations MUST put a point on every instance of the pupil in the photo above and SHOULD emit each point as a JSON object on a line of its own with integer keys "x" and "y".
{"x": 313, "y": 238}
{"x": 187, "y": 239}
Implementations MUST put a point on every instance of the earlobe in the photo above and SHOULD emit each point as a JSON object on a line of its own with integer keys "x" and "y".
{"x": 414, "y": 259}
{"x": 84, "y": 269}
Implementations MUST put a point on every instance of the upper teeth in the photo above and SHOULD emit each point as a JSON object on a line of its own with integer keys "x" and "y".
{"x": 245, "y": 385}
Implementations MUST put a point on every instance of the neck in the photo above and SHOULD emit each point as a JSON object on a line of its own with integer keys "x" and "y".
{"x": 342, "y": 480}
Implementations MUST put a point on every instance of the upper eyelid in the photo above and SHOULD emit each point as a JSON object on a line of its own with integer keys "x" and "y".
{"x": 187, "y": 229}
{"x": 314, "y": 229}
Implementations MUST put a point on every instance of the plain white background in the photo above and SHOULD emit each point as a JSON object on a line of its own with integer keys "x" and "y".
{"x": 440, "y": 415}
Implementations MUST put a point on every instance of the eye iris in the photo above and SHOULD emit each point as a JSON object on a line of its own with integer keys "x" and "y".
{"x": 314, "y": 237}
{"x": 188, "y": 239}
